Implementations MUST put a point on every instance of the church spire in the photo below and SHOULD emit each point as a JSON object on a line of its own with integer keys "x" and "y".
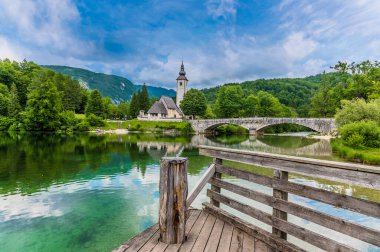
{"x": 182, "y": 71}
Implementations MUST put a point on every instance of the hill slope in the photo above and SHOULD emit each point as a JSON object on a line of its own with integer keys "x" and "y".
{"x": 293, "y": 92}
{"x": 116, "y": 87}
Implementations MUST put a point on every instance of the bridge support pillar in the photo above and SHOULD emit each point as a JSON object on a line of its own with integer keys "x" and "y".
{"x": 253, "y": 132}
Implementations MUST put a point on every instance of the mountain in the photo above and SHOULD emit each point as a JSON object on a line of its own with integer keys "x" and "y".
{"x": 293, "y": 92}
{"x": 116, "y": 87}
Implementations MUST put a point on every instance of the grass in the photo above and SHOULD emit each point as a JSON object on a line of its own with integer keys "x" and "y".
{"x": 151, "y": 126}
{"x": 367, "y": 156}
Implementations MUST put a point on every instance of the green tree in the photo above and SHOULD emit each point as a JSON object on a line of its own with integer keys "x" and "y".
{"x": 95, "y": 104}
{"x": 270, "y": 106}
{"x": 135, "y": 105}
{"x": 14, "y": 107}
{"x": 43, "y": 108}
{"x": 123, "y": 108}
{"x": 229, "y": 102}
{"x": 4, "y": 100}
{"x": 323, "y": 103}
{"x": 144, "y": 99}
{"x": 251, "y": 106}
{"x": 358, "y": 110}
{"x": 194, "y": 103}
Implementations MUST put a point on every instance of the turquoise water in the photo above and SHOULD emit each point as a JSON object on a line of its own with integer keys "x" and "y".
{"x": 92, "y": 193}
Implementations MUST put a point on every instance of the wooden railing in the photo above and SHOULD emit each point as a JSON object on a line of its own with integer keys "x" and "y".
{"x": 360, "y": 175}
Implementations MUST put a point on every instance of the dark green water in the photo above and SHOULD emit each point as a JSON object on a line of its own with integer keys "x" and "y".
{"x": 92, "y": 193}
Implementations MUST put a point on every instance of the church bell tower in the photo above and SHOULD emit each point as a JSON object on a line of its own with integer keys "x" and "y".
{"x": 181, "y": 85}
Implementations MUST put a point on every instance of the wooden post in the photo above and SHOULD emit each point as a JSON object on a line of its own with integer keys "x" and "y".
{"x": 217, "y": 161}
{"x": 281, "y": 175}
{"x": 173, "y": 195}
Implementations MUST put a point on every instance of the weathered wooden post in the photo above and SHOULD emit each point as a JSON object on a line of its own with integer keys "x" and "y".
{"x": 217, "y": 161}
{"x": 281, "y": 175}
{"x": 173, "y": 195}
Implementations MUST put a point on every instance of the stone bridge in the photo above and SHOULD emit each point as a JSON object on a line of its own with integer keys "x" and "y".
{"x": 256, "y": 125}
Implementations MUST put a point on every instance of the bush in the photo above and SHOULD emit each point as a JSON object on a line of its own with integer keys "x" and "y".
{"x": 361, "y": 134}
{"x": 95, "y": 121}
{"x": 5, "y": 123}
{"x": 82, "y": 126}
{"x": 358, "y": 110}
{"x": 68, "y": 120}
{"x": 369, "y": 156}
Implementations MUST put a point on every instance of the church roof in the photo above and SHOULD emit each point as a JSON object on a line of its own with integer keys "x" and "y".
{"x": 158, "y": 108}
{"x": 182, "y": 73}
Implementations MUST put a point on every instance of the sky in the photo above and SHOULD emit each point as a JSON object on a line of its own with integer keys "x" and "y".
{"x": 220, "y": 41}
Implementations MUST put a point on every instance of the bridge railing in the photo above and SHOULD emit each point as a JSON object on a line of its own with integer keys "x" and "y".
{"x": 278, "y": 201}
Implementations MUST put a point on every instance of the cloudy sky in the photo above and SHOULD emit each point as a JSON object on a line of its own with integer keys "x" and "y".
{"x": 219, "y": 40}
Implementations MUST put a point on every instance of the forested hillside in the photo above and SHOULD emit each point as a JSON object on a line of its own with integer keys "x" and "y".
{"x": 292, "y": 92}
{"x": 116, "y": 87}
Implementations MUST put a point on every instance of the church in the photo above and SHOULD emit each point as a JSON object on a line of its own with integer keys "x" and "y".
{"x": 166, "y": 108}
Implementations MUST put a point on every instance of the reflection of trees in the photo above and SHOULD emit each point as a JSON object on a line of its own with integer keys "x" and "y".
{"x": 32, "y": 162}
{"x": 287, "y": 141}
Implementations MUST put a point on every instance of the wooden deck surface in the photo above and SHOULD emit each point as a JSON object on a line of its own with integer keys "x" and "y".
{"x": 204, "y": 232}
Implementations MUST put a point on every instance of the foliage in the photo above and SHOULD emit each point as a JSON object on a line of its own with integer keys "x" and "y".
{"x": 14, "y": 107}
{"x": 229, "y": 102}
{"x": 5, "y": 123}
{"x": 323, "y": 103}
{"x": 367, "y": 155}
{"x": 157, "y": 126}
{"x": 144, "y": 99}
{"x": 68, "y": 120}
{"x": 231, "y": 129}
{"x": 358, "y": 110}
{"x": 270, "y": 106}
{"x": 4, "y": 100}
{"x": 134, "y": 107}
{"x": 95, "y": 104}
{"x": 82, "y": 126}
{"x": 209, "y": 114}
{"x": 194, "y": 103}
{"x": 43, "y": 107}
{"x": 361, "y": 134}
{"x": 95, "y": 121}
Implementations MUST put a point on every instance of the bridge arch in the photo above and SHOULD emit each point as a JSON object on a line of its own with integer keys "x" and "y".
{"x": 216, "y": 125}
{"x": 262, "y": 128}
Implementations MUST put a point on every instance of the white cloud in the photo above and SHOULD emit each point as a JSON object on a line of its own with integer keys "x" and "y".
{"x": 222, "y": 8}
{"x": 9, "y": 50}
{"x": 297, "y": 46}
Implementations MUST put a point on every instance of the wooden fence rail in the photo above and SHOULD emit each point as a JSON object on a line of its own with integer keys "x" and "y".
{"x": 360, "y": 175}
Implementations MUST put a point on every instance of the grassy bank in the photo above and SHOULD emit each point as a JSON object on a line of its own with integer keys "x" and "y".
{"x": 367, "y": 155}
{"x": 150, "y": 126}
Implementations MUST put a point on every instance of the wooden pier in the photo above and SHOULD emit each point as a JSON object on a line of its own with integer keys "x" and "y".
{"x": 213, "y": 228}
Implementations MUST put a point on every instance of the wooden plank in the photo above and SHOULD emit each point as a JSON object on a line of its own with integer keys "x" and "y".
{"x": 248, "y": 243}
{"x": 279, "y": 244}
{"x": 299, "y": 232}
{"x": 193, "y": 216}
{"x": 213, "y": 241}
{"x": 278, "y": 194}
{"x": 260, "y": 246}
{"x": 343, "y": 201}
{"x": 340, "y": 225}
{"x": 194, "y": 232}
{"x": 160, "y": 247}
{"x": 218, "y": 175}
{"x": 225, "y": 239}
{"x": 325, "y": 163}
{"x": 366, "y": 176}
{"x": 139, "y": 240}
{"x": 201, "y": 183}
{"x": 204, "y": 235}
{"x": 151, "y": 243}
{"x": 237, "y": 240}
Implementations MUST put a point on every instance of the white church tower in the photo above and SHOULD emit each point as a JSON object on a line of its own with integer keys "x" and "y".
{"x": 181, "y": 85}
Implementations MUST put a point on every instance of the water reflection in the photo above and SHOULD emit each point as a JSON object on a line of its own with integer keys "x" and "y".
{"x": 85, "y": 192}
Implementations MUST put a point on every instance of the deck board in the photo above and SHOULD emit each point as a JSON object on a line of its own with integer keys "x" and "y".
{"x": 204, "y": 232}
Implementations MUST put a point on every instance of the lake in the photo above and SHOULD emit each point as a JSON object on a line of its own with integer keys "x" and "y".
{"x": 87, "y": 192}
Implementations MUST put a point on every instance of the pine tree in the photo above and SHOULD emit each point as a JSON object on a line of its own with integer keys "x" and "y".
{"x": 95, "y": 104}
{"x": 14, "y": 106}
{"x": 135, "y": 106}
{"x": 144, "y": 99}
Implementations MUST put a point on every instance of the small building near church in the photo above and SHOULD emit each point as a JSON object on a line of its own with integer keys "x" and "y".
{"x": 166, "y": 108}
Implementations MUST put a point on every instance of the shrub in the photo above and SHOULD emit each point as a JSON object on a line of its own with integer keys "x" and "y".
{"x": 95, "y": 121}
{"x": 5, "y": 123}
{"x": 68, "y": 120}
{"x": 82, "y": 126}
{"x": 361, "y": 134}
{"x": 358, "y": 110}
